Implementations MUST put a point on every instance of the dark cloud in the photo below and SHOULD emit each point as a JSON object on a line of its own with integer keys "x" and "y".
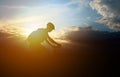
{"x": 88, "y": 38}
{"x": 109, "y": 9}
{"x": 74, "y": 34}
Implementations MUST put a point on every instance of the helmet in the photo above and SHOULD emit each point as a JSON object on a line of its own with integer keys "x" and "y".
{"x": 50, "y": 25}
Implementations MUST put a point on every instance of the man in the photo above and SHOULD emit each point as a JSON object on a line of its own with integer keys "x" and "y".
{"x": 40, "y": 35}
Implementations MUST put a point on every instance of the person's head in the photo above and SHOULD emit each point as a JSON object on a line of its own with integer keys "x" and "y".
{"x": 50, "y": 26}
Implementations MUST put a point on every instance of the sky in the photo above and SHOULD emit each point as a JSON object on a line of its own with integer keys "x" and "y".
{"x": 68, "y": 16}
{"x": 102, "y": 14}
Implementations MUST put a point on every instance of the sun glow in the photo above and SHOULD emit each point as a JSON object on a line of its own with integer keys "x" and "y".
{"x": 30, "y": 27}
{"x": 27, "y": 32}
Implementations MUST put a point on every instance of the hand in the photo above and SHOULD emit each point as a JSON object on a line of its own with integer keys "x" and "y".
{"x": 59, "y": 45}
{"x": 56, "y": 46}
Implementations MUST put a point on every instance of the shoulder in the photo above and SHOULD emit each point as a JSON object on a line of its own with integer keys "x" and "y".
{"x": 41, "y": 29}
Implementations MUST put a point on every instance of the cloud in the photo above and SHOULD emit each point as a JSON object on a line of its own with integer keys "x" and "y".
{"x": 73, "y": 33}
{"x": 72, "y": 38}
{"x": 79, "y": 38}
{"x": 13, "y": 31}
{"x": 109, "y": 9}
{"x": 12, "y": 38}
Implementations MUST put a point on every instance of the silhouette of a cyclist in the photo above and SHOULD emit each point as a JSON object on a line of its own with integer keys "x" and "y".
{"x": 40, "y": 35}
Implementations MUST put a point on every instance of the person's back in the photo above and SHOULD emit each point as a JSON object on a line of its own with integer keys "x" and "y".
{"x": 38, "y": 36}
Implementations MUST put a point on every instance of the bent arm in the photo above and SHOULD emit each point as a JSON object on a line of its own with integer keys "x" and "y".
{"x": 52, "y": 42}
